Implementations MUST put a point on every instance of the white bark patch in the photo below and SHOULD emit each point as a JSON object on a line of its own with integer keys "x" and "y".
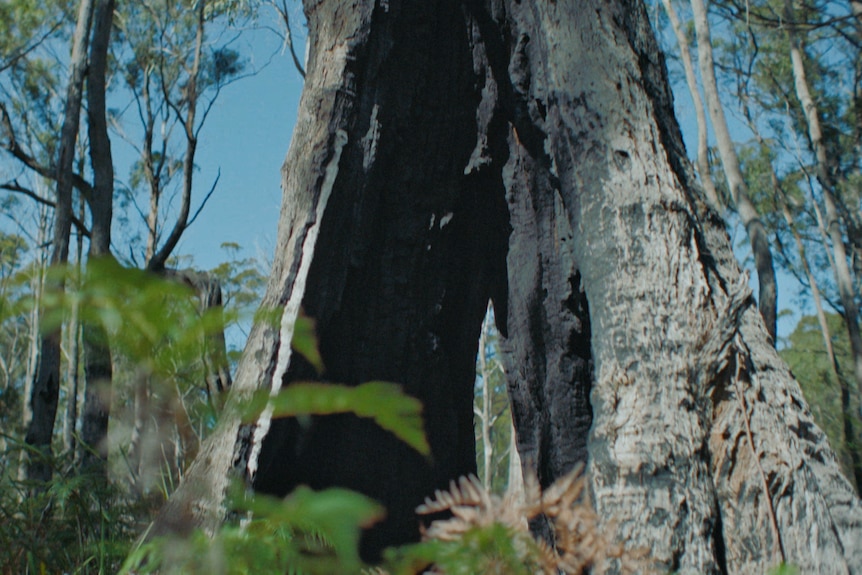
{"x": 433, "y": 219}
{"x": 446, "y": 219}
{"x": 369, "y": 141}
{"x": 291, "y": 308}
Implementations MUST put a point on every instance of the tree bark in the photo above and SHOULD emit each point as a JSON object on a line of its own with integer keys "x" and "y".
{"x": 447, "y": 152}
{"x": 98, "y": 370}
{"x": 415, "y": 234}
{"x": 646, "y": 242}
{"x": 42, "y": 402}
{"x": 826, "y": 179}
{"x": 699, "y": 111}
{"x": 768, "y": 296}
{"x": 74, "y": 329}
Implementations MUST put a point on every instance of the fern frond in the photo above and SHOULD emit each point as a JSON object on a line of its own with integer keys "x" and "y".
{"x": 581, "y": 542}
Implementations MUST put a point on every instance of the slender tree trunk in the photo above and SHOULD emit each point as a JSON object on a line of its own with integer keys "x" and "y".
{"x": 45, "y": 390}
{"x": 73, "y": 367}
{"x": 138, "y": 454}
{"x": 847, "y": 414}
{"x": 768, "y": 296}
{"x": 485, "y": 414}
{"x": 515, "y": 475}
{"x": 37, "y": 286}
{"x": 833, "y": 218}
{"x": 699, "y": 111}
{"x": 97, "y": 354}
{"x": 452, "y": 140}
{"x": 157, "y": 261}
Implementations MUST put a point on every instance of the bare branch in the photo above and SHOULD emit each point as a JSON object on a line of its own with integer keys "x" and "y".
{"x": 288, "y": 35}
{"x": 14, "y": 186}
{"x": 48, "y": 172}
{"x": 27, "y": 48}
{"x": 205, "y": 200}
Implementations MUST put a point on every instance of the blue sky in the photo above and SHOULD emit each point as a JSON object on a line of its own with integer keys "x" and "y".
{"x": 246, "y": 136}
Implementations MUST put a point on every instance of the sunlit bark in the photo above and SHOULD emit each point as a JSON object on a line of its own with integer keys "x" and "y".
{"x": 527, "y": 154}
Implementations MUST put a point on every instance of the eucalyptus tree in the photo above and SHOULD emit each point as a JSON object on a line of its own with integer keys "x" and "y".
{"x": 748, "y": 213}
{"x": 176, "y": 58}
{"x": 182, "y": 52}
{"x": 795, "y": 68}
{"x": 833, "y": 405}
{"x": 447, "y": 153}
{"x": 41, "y": 407}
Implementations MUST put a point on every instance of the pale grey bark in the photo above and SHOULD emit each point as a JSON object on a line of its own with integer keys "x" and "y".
{"x": 45, "y": 389}
{"x": 631, "y": 340}
{"x": 679, "y": 477}
{"x": 37, "y": 286}
{"x": 73, "y": 331}
{"x": 841, "y": 268}
{"x": 699, "y": 111}
{"x": 768, "y": 296}
{"x": 515, "y": 475}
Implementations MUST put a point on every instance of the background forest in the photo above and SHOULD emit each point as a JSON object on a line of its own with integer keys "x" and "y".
{"x": 116, "y": 348}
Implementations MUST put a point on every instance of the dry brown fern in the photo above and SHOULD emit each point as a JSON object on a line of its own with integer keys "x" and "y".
{"x": 581, "y": 543}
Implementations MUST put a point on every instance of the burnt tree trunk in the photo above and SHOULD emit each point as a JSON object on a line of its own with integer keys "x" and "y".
{"x": 448, "y": 152}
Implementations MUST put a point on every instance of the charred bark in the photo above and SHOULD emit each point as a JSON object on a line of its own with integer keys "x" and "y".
{"x": 447, "y": 152}
{"x": 411, "y": 245}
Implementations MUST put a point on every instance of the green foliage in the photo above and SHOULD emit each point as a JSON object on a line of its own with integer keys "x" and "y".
{"x": 784, "y": 569}
{"x": 494, "y": 548}
{"x": 306, "y": 532}
{"x": 152, "y": 322}
{"x": 304, "y": 342}
{"x": 78, "y": 524}
{"x": 15, "y": 327}
{"x": 806, "y": 356}
{"x": 381, "y": 401}
{"x": 22, "y": 23}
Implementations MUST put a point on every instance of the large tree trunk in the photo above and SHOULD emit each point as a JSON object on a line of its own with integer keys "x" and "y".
{"x": 695, "y": 415}
{"x": 438, "y": 145}
{"x": 414, "y": 235}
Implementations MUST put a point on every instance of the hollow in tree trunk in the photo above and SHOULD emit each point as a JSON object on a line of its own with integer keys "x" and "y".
{"x": 448, "y": 152}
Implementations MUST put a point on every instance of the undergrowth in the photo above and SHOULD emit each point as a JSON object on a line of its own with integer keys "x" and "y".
{"x": 75, "y": 523}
